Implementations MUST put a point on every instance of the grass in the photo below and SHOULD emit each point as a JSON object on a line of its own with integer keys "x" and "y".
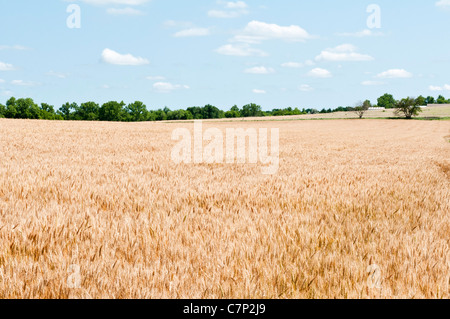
{"x": 106, "y": 197}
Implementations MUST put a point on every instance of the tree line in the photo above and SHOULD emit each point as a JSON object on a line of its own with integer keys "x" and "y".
{"x": 26, "y": 108}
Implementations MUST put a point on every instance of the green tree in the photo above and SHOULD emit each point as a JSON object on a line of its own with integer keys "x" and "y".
{"x": 160, "y": 115}
{"x": 27, "y": 109}
{"x": 196, "y": 111}
{"x": 66, "y": 110}
{"x": 421, "y": 101}
{"x": 251, "y": 110}
{"x": 362, "y": 107}
{"x": 387, "y": 101}
{"x": 137, "y": 111}
{"x": 11, "y": 108}
{"x": 112, "y": 112}
{"x": 211, "y": 112}
{"x": 2, "y": 110}
{"x": 441, "y": 100}
{"x": 408, "y": 107}
{"x": 179, "y": 115}
{"x": 47, "y": 112}
{"x": 430, "y": 100}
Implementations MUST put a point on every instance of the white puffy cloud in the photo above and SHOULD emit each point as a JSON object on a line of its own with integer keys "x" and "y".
{"x": 166, "y": 87}
{"x": 24, "y": 83}
{"x": 256, "y": 91}
{"x": 240, "y": 50}
{"x": 231, "y": 10}
{"x": 305, "y": 88}
{"x": 156, "y": 78}
{"x": 361, "y": 34}
{"x": 115, "y": 2}
{"x": 395, "y": 74}
{"x": 112, "y": 57}
{"x": 193, "y": 32}
{"x": 6, "y": 67}
{"x": 344, "y": 52}
{"x": 320, "y": 73}
{"x": 372, "y": 83}
{"x": 57, "y": 74}
{"x": 259, "y": 70}
{"x": 445, "y": 4}
{"x": 256, "y": 32}
{"x": 294, "y": 65}
{"x": 446, "y": 87}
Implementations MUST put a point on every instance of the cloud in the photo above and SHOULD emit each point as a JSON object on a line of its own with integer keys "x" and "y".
{"x": 256, "y": 32}
{"x": 256, "y": 91}
{"x": 240, "y": 50}
{"x": 2, "y": 81}
{"x": 344, "y": 52}
{"x": 444, "y": 4}
{"x": 319, "y": 73}
{"x": 25, "y": 83}
{"x": 166, "y": 87}
{"x": 6, "y": 67}
{"x": 235, "y": 5}
{"x": 124, "y": 11}
{"x": 156, "y": 78}
{"x": 112, "y": 57}
{"x": 231, "y": 10}
{"x": 446, "y": 87}
{"x": 57, "y": 74}
{"x": 259, "y": 70}
{"x": 361, "y": 34}
{"x": 294, "y": 65}
{"x": 305, "y": 88}
{"x": 395, "y": 74}
{"x": 193, "y": 32}
{"x": 7, "y": 93}
{"x": 115, "y": 2}
{"x": 372, "y": 83}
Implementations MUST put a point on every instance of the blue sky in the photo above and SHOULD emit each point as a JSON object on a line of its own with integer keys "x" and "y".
{"x": 179, "y": 53}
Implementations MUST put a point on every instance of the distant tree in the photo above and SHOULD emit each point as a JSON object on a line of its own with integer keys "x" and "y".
{"x": 421, "y": 101}
{"x": 47, "y": 112}
{"x": 196, "y": 111}
{"x": 235, "y": 108}
{"x": 27, "y": 109}
{"x": 211, "y": 112}
{"x": 232, "y": 114}
{"x": 160, "y": 115}
{"x": 408, "y": 107}
{"x": 387, "y": 101}
{"x": 362, "y": 107}
{"x": 66, "y": 110}
{"x": 251, "y": 110}
{"x": 2, "y": 110}
{"x": 11, "y": 108}
{"x": 441, "y": 100}
{"x": 179, "y": 115}
{"x": 137, "y": 112}
{"x": 430, "y": 100}
{"x": 112, "y": 111}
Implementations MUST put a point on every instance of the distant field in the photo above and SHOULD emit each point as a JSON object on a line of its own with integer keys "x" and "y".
{"x": 431, "y": 112}
{"x": 358, "y": 209}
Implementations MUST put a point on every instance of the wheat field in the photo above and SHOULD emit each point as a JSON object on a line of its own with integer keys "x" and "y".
{"x": 358, "y": 209}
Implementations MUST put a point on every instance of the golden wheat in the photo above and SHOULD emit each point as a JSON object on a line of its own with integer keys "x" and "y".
{"x": 107, "y": 198}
